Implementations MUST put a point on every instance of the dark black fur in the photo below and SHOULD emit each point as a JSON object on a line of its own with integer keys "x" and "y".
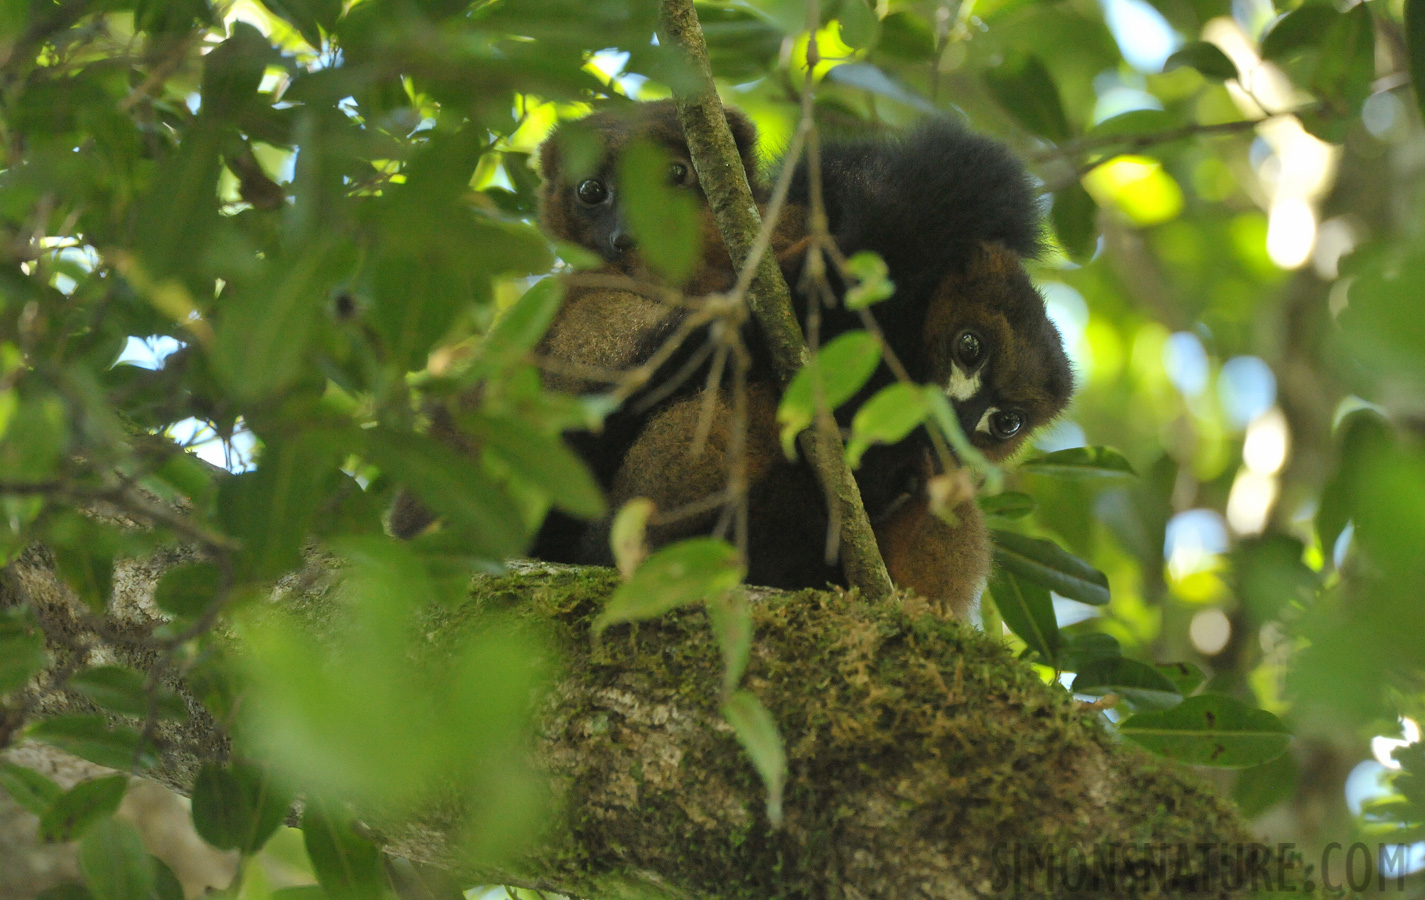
{"x": 925, "y": 202}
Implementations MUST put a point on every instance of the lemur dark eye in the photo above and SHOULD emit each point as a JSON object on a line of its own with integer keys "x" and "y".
{"x": 592, "y": 192}
{"x": 678, "y": 173}
{"x": 1005, "y": 424}
{"x": 969, "y": 349}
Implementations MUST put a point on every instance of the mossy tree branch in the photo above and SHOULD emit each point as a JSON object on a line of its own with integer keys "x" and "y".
{"x": 719, "y": 167}
{"x": 916, "y": 747}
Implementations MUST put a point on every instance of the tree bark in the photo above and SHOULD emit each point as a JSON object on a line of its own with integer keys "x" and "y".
{"x": 920, "y": 752}
{"x": 719, "y": 166}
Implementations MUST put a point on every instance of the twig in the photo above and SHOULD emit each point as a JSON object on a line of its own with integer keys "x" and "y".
{"x": 1128, "y": 142}
{"x": 720, "y": 170}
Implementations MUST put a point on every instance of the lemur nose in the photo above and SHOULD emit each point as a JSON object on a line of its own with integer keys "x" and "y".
{"x": 621, "y": 241}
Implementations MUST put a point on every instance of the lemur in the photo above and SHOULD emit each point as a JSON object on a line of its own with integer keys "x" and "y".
{"x": 952, "y": 214}
{"x": 616, "y": 315}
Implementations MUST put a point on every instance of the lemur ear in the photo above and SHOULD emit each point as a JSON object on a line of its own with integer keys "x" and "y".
{"x": 553, "y": 203}
{"x": 549, "y": 162}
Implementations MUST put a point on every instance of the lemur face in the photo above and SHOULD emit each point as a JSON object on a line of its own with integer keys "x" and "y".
{"x": 991, "y": 346}
{"x": 593, "y": 206}
{"x": 585, "y": 207}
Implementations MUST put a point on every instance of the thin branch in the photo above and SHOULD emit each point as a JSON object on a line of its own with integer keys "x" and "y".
{"x": 720, "y": 171}
{"x": 1126, "y": 143}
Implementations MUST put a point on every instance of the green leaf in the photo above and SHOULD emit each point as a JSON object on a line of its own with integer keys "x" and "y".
{"x": 271, "y": 510}
{"x": 166, "y": 884}
{"x": 189, "y": 590}
{"x": 628, "y": 536}
{"x": 859, "y": 25}
{"x": 1144, "y": 687}
{"x": 906, "y": 35}
{"x": 301, "y": 892}
{"x": 1029, "y": 612}
{"x": 1379, "y": 328}
{"x": 1210, "y": 730}
{"x": 1302, "y": 29}
{"x": 416, "y": 297}
{"x": 1078, "y": 651}
{"x": 84, "y": 554}
{"x": 1204, "y": 57}
{"x": 28, "y": 788}
{"x": 237, "y": 807}
{"x": 741, "y": 45}
{"x": 180, "y": 212}
{"x": 455, "y": 487}
{"x": 76, "y": 810}
{"x": 69, "y": 890}
{"x": 948, "y": 424}
{"x": 1024, "y": 87}
{"x": 868, "y": 77}
{"x": 1269, "y": 576}
{"x": 22, "y": 655}
{"x": 678, "y": 575}
{"x": 894, "y": 412}
{"x": 521, "y": 326}
{"x": 265, "y": 333}
{"x": 1259, "y": 788}
{"x": 114, "y": 862}
{"x": 757, "y": 731}
{"x": 1359, "y": 436}
{"x": 872, "y": 282}
{"x": 120, "y": 690}
{"x": 310, "y": 17}
{"x": 843, "y": 365}
{"x": 169, "y": 17}
{"x": 347, "y": 865}
{"x": 731, "y": 617}
{"x": 233, "y": 70}
{"x": 91, "y": 738}
{"x": 1132, "y": 123}
{"x": 662, "y": 216}
{"x": 1075, "y": 222}
{"x": 1047, "y": 564}
{"x": 1415, "y": 48}
{"x": 543, "y": 461}
{"x": 1185, "y": 676}
{"x": 192, "y": 478}
{"x": 1081, "y": 462}
{"x": 1347, "y": 64}
{"x": 1007, "y": 505}
{"x": 35, "y": 439}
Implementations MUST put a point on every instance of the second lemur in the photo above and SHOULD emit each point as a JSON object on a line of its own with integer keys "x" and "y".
{"x": 954, "y": 215}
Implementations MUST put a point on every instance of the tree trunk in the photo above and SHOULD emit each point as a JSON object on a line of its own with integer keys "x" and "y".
{"x": 920, "y": 752}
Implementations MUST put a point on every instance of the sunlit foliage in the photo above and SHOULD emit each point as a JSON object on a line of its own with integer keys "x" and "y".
{"x": 241, "y": 241}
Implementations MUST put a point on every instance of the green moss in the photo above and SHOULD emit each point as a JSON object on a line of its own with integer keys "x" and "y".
{"x": 962, "y": 746}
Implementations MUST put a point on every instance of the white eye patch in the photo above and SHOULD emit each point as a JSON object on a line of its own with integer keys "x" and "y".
{"x": 984, "y": 423}
{"x": 962, "y": 387}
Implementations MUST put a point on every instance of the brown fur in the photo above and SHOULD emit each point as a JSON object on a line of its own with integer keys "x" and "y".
{"x": 562, "y": 215}
{"x": 664, "y": 466}
{"x": 945, "y": 564}
{"x": 600, "y": 328}
{"x": 995, "y": 298}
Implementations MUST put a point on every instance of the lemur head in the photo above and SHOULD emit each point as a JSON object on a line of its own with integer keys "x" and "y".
{"x": 584, "y": 207}
{"x": 954, "y": 214}
{"x": 989, "y": 342}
